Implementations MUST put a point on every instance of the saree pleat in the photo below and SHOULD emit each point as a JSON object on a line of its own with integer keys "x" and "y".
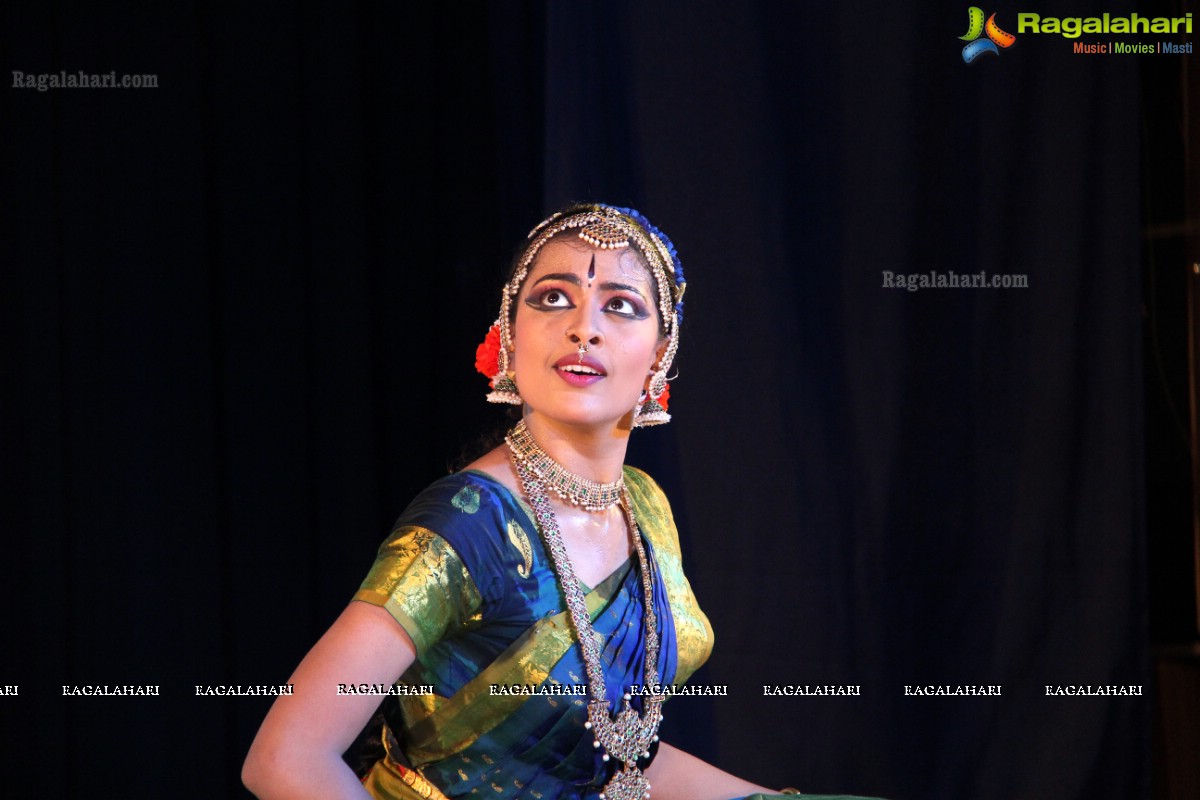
{"x": 432, "y": 734}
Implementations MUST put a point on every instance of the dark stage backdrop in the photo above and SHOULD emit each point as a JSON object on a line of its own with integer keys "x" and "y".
{"x": 239, "y": 314}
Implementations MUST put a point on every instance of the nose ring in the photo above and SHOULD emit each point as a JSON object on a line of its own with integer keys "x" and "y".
{"x": 583, "y": 348}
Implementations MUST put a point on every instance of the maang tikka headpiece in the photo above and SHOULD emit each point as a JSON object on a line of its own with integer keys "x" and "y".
{"x": 608, "y": 228}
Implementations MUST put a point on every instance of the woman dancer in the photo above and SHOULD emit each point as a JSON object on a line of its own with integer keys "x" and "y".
{"x": 527, "y": 607}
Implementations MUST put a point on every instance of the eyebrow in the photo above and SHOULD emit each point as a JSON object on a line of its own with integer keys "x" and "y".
{"x": 608, "y": 286}
{"x": 559, "y": 276}
{"x": 612, "y": 286}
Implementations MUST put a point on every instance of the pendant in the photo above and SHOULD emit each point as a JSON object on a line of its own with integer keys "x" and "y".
{"x": 626, "y": 736}
{"x": 628, "y": 784}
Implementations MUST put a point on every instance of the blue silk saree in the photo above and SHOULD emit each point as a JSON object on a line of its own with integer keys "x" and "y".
{"x": 466, "y": 574}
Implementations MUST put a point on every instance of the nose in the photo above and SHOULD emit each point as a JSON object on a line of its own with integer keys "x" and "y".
{"x": 585, "y": 329}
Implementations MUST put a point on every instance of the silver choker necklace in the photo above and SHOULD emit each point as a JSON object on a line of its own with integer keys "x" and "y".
{"x": 575, "y": 489}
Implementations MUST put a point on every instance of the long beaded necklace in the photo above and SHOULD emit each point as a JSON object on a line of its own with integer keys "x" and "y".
{"x": 624, "y": 735}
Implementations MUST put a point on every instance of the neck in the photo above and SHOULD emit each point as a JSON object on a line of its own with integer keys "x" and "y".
{"x": 597, "y": 454}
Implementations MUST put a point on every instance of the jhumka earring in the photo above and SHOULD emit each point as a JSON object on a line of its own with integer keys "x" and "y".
{"x": 652, "y": 407}
{"x": 505, "y": 390}
{"x": 492, "y": 364}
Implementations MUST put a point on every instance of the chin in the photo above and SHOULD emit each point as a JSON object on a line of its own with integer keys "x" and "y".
{"x": 581, "y": 415}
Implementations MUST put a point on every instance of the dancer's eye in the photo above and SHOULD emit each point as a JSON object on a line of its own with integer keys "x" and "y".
{"x": 626, "y": 307}
{"x": 550, "y": 298}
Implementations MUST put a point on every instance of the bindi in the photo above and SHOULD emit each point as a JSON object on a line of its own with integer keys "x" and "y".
{"x": 591, "y": 270}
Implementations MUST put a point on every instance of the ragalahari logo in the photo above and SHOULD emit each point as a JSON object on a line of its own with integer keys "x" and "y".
{"x": 976, "y": 27}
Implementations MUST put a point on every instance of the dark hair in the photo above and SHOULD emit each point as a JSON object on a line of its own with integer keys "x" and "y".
{"x": 486, "y": 442}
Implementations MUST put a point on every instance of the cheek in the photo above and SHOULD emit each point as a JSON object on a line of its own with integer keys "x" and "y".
{"x": 529, "y": 330}
{"x": 642, "y": 354}
{"x": 536, "y": 341}
{"x": 523, "y": 348}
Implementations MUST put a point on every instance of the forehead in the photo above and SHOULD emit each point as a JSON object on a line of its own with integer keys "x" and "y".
{"x": 573, "y": 255}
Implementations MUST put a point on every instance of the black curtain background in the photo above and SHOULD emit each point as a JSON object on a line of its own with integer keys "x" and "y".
{"x": 239, "y": 314}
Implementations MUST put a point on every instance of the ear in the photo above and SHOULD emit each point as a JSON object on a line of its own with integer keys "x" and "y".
{"x": 659, "y": 353}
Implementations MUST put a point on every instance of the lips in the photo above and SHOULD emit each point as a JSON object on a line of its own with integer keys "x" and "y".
{"x": 579, "y": 372}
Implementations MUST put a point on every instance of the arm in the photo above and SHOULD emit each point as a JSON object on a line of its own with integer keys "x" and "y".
{"x": 676, "y": 775}
{"x": 298, "y": 750}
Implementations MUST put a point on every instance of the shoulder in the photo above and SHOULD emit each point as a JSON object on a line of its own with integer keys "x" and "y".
{"x": 647, "y": 495}
{"x": 652, "y": 510}
{"x": 473, "y": 514}
{"x": 459, "y": 505}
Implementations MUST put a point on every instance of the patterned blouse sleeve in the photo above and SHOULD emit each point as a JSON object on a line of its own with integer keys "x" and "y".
{"x": 422, "y": 582}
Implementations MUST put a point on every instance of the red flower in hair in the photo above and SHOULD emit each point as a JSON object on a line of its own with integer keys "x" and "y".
{"x": 487, "y": 355}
